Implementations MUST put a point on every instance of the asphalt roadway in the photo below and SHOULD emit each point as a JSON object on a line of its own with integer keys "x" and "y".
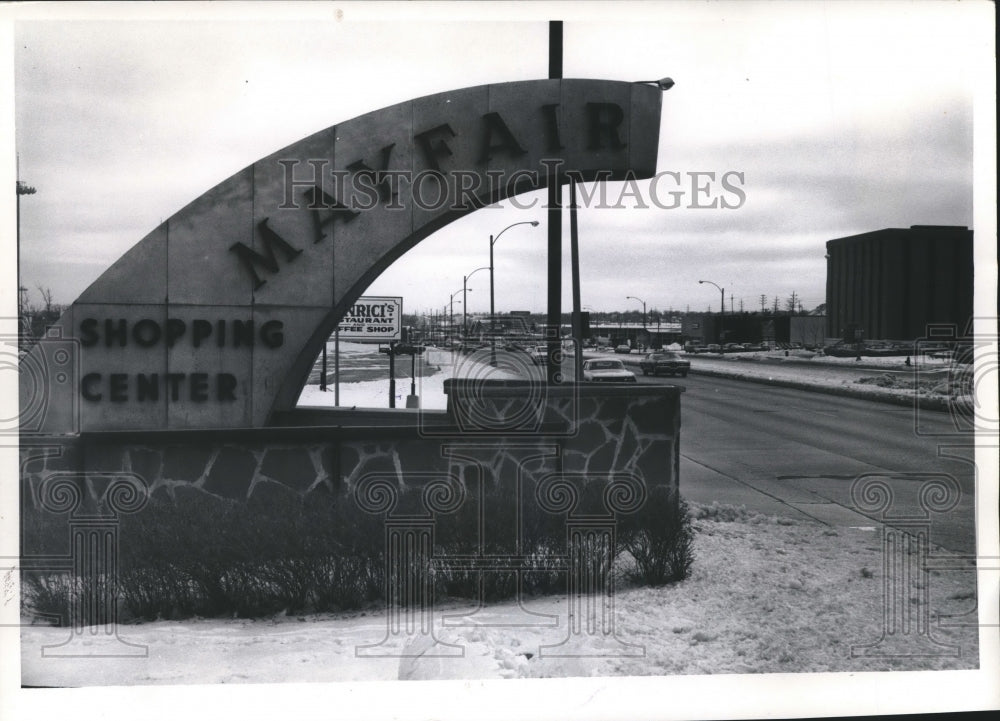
{"x": 799, "y": 454}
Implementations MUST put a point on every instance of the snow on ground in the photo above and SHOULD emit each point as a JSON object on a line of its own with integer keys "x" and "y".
{"x": 931, "y": 379}
{"x": 433, "y": 368}
{"x": 765, "y": 595}
{"x": 875, "y": 378}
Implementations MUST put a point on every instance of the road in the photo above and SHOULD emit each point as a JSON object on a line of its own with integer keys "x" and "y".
{"x": 796, "y": 453}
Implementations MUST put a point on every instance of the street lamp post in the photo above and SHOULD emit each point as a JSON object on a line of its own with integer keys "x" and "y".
{"x": 722, "y": 317}
{"x": 451, "y": 311}
{"x": 494, "y": 239}
{"x": 465, "y": 305}
{"x": 24, "y": 325}
{"x": 643, "y": 309}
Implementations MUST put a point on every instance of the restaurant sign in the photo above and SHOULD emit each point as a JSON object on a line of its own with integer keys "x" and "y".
{"x": 373, "y": 319}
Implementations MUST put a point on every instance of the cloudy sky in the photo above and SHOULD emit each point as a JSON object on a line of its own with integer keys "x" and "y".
{"x": 842, "y": 118}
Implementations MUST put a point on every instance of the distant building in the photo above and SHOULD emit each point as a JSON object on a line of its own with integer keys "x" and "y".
{"x": 809, "y": 330}
{"x": 730, "y": 328}
{"x": 890, "y": 284}
{"x": 651, "y": 335}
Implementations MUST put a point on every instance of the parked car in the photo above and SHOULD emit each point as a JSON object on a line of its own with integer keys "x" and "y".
{"x": 623, "y": 349}
{"x": 732, "y": 348}
{"x": 607, "y": 370}
{"x": 665, "y": 362}
{"x": 713, "y": 348}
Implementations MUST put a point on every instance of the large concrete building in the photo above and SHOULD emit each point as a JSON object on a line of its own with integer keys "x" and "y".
{"x": 891, "y": 284}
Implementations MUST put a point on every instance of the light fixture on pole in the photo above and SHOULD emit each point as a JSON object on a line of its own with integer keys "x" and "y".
{"x": 643, "y": 308}
{"x": 722, "y": 318}
{"x": 643, "y": 312}
{"x": 451, "y": 312}
{"x": 494, "y": 239}
{"x": 465, "y": 305}
{"x": 24, "y": 325}
{"x": 663, "y": 84}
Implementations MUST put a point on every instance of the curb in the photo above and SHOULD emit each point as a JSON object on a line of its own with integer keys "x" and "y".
{"x": 921, "y": 402}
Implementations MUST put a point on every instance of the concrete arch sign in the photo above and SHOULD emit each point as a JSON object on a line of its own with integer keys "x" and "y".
{"x": 214, "y": 319}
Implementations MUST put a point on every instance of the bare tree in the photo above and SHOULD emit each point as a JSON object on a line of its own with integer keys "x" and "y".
{"x": 46, "y": 294}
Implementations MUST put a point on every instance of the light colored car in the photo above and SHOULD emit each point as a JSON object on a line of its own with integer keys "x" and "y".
{"x": 606, "y": 371}
{"x": 539, "y": 355}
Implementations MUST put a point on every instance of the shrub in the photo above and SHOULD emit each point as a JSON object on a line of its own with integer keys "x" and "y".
{"x": 46, "y": 596}
{"x": 659, "y": 539}
{"x": 196, "y": 554}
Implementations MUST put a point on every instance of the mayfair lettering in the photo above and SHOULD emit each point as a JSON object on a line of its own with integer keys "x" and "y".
{"x": 373, "y": 185}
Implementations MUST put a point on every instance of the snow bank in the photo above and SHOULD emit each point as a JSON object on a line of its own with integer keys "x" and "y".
{"x": 766, "y": 595}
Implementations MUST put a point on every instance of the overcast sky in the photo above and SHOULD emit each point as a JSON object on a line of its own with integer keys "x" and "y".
{"x": 841, "y": 118}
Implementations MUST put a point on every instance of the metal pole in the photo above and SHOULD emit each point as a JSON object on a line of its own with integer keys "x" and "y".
{"x": 722, "y": 319}
{"x": 336, "y": 367}
{"x": 574, "y": 250}
{"x": 554, "y": 374}
{"x": 322, "y": 378}
{"x": 493, "y": 345}
{"x": 392, "y": 375}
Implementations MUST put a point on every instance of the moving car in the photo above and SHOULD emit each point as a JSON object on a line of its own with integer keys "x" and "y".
{"x": 665, "y": 362}
{"x": 607, "y": 371}
{"x": 539, "y": 355}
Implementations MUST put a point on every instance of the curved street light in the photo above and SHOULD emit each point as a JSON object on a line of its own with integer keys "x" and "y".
{"x": 643, "y": 308}
{"x": 663, "y": 84}
{"x": 451, "y": 311}
{"x": 643, "y": 315}
{"x": 722, "y": 319}
{"x": 465, "y": 305}
{"x": 494, "y": 239}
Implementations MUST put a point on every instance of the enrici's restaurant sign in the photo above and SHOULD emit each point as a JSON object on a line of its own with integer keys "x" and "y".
{"x": 373, "y": 318}
{"x": 214, "y": 319}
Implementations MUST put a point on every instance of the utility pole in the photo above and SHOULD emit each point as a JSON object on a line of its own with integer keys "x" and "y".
{"x": 763, "y": 302}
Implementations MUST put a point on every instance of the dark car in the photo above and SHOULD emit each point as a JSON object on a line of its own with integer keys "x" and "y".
{"x": 664, "y": 362}
{"x": 623, "y": 349}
